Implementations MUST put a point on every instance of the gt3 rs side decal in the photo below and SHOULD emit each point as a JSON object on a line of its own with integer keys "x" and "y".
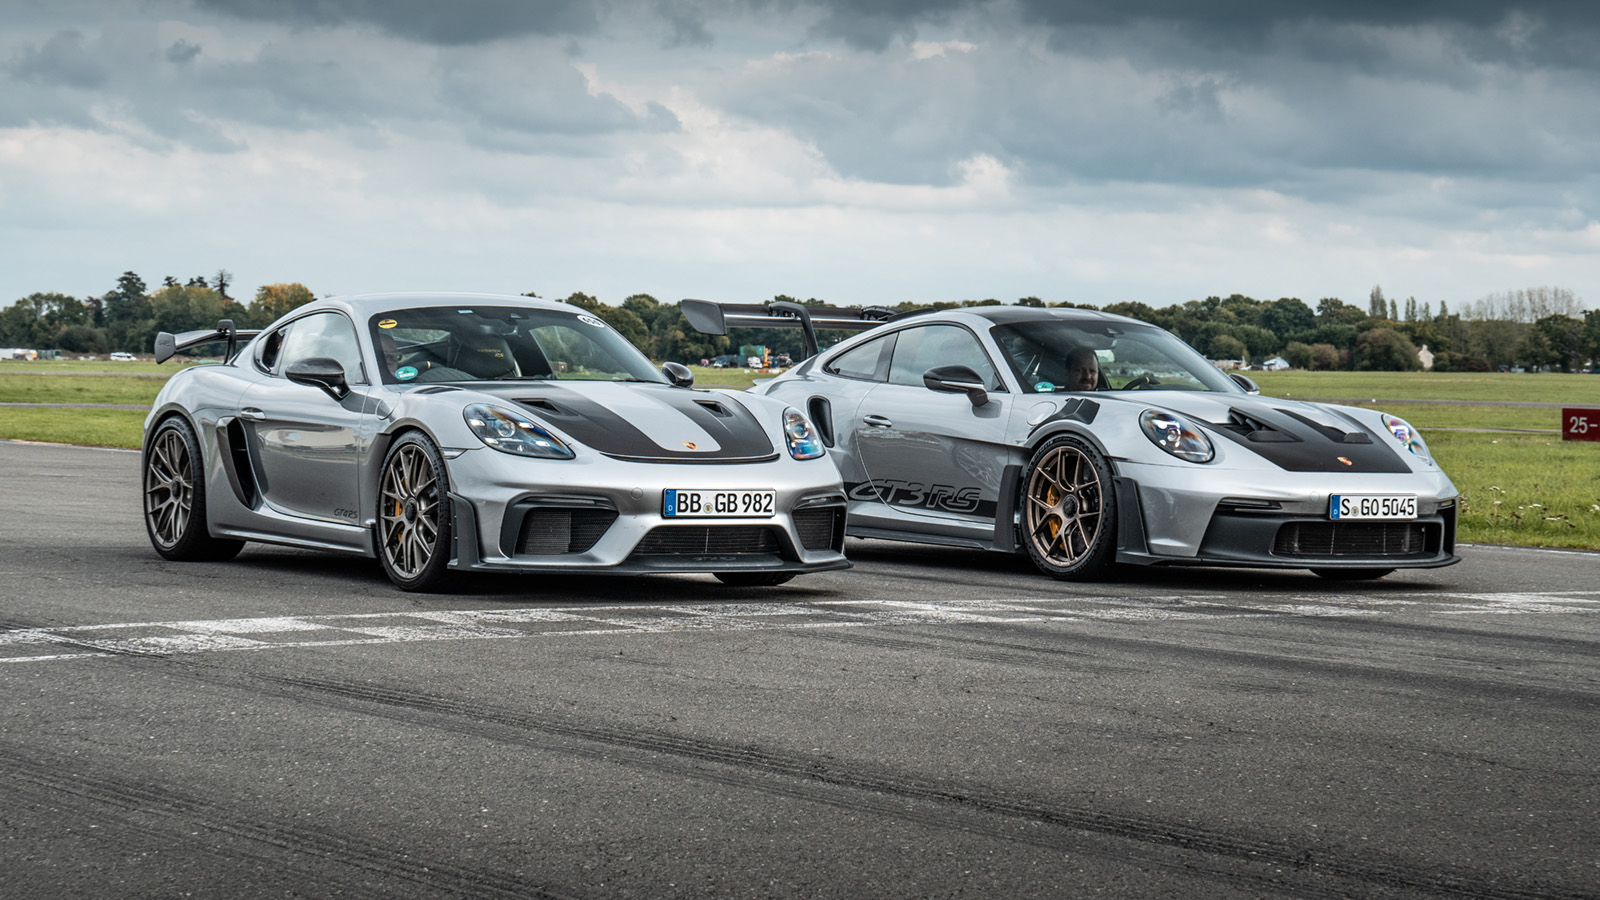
{"x": 916, "y": 495}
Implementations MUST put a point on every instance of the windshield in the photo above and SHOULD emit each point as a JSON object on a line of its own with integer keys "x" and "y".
{"x": 1055, "y": 357}
{"x": 502, "y": 343}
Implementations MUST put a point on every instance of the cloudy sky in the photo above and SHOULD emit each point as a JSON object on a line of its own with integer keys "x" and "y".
{"x": 859, "y": 151}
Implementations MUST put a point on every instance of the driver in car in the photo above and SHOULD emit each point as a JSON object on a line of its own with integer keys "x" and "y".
{"x": 1083, "y": 370}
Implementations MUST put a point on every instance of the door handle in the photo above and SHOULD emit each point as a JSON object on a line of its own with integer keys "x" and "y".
{"x": 250, "y": 412}
{"x": 877, "y": 421}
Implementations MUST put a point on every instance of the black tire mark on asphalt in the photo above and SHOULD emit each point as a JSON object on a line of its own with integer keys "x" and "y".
{"x": 1369, "y": 872}
{"x": 520, "y": 728}
{"x": 137, "y": 801}
{"x": 1067, "y": 643}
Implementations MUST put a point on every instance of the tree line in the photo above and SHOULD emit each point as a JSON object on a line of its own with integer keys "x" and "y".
{"x": 1536, "y": 328}
{"x": 128, "y": 316}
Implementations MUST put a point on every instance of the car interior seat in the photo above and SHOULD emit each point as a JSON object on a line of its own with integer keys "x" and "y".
{"x": 485, "y": 356}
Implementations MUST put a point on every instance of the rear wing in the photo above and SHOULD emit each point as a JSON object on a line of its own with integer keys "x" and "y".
{"x": 168, "y": 343}
{"x": 710, "y": 317}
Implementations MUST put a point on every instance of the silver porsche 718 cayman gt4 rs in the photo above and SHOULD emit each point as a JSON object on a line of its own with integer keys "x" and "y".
{"x": 1087, "y": 439}
{"x": 464, "y": 432}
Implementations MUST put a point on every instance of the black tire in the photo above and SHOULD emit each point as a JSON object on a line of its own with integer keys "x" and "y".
{"x": 413, "y": 540}
{"x": 1069, "y": 514}
{"x": 755, "y": 579}
{"x": 1351, "y": 574}
{"x": 175, "y": 497}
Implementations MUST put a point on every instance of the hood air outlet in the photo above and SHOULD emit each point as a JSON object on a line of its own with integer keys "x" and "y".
{"x": 543, "y": 405}
{"x": 1332, "y": 433}
{"x": 1256, "y": 430}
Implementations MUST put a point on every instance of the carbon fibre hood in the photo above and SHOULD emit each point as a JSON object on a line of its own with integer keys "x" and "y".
{"x": 645, "y": 422}
{"x": 1293, "y": 435}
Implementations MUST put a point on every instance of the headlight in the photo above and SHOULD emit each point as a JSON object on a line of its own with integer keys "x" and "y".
{"x": 802, "y": 437}
{"x": 512, "y": 432}
{"x": 1405, "y": 435}
{"x": 1176, "y": 436}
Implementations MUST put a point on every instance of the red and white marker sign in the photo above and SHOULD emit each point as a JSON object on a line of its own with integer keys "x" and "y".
{"x": 1578, "y": 424}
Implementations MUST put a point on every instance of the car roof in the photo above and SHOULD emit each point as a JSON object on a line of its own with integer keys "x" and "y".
{"x": 1008, "y": 315}
{"x": 368, "y": 304}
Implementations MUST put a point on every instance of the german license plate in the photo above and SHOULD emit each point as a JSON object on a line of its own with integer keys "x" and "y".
{"x": 690, "y": 503}
{"x": 1372, "y": 506}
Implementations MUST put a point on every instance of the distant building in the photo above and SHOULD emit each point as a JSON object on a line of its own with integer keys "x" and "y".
{"x": 1228, "y": 365}
{"x": 1426, "y": 357}
{"x": 1276, "y": 364}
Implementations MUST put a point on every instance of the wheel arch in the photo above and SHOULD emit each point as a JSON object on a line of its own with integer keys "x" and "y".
{"x": 1045, "y": 435}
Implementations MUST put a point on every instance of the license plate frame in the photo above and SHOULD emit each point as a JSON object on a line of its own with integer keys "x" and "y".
{"x": 718, "y": 503}
{"x": 1372, "y": 507}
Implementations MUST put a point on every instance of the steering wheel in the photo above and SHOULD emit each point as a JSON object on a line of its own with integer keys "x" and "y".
{"x": 1143, "y": 382}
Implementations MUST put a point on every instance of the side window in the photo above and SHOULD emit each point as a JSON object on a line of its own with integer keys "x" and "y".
{"x": 920, "y": 349}
{"x": 268, "y": 351}
{"x": 325, "y": 334}
{"x": 863, "y": 362}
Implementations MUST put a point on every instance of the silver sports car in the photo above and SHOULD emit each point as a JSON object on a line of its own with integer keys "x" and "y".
{"x": 467, "y": 432}
{"x": 1087, "y": 439}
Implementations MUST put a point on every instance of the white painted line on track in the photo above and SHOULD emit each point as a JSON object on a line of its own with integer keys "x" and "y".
{"x": 361, "y": 629}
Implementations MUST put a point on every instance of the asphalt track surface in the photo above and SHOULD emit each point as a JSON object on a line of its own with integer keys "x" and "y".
{"x": 928, "y": 724}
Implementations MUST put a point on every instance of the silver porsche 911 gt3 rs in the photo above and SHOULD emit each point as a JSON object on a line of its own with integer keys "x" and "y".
{"x": 1087, "y": 439}
{"x": 480, "y": 433}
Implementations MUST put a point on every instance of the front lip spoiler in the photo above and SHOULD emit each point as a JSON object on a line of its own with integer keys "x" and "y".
{"x": 464, "y": 557}
{"x": 670, "y": 565}
{"x": 1274, "y": 562}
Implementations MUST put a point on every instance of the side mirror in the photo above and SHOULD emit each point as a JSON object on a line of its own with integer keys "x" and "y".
{"x": 320, "y": 372}
{"x": 956, "y": 380}
{"x": 1250, "y": 387}
{"x": 678, "y": 374}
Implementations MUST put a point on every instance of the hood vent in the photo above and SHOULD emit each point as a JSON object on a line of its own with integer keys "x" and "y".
{"x": 1253, "y": 429}
{"x": 544, "y": 406}
{"x": 1332, "y": 433}
{"x": 717, "y": 409}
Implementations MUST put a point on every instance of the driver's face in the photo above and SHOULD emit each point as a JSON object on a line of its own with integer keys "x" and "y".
{"x": 1083, "y": 372}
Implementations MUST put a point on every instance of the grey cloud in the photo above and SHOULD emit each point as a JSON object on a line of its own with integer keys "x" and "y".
{"x": 538, "y": 95}
{"x": 1149, "y": 106}
{"x": 165, "y": 93}
{"x": 430, "y": 21}
{"x": 61, "y": 60}
{"x": 182, "y": 53}
{"x": 874, "y": 24}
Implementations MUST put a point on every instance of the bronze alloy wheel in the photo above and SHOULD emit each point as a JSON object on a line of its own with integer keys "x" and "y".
{"x": 1067, "y": 517}
{"x": 413, "y": 515}
{"x": 175, "y": 496}
{"x": 168, "y": 488}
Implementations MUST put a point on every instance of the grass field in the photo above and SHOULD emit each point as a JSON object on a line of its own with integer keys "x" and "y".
{"x": 94, "y": 427}
{"x": 1527, "y": 489}
{"x": 1490, "y": 386}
